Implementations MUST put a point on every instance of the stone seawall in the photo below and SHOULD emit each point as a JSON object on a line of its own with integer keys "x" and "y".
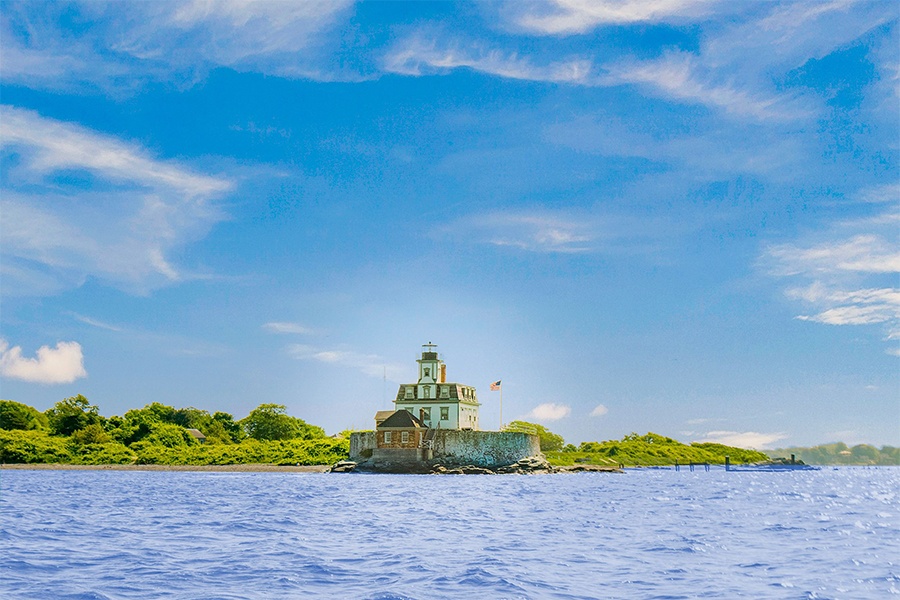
{"x": 361, "y": 445}
{"x": 484, "y": 448}
{"x": 487, "y": 449}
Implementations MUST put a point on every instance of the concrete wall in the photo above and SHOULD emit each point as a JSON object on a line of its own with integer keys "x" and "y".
{"x": 359, "y": 441}
{"x": 484, "y": 448}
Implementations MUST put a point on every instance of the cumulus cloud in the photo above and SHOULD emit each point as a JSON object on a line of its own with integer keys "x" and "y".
{"x": 599, "y": 411}
{"x": 745, "y": 439}
{"x": 122, "y": 229}
{"x": 549, "y": 412}
{"x": 62, "y": 364}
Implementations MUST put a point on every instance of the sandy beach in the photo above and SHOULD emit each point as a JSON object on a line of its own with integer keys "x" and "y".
{"x": 257, "y": 468}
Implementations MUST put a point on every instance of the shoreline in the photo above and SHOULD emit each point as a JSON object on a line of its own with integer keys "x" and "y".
{"x": 246, "y": 468}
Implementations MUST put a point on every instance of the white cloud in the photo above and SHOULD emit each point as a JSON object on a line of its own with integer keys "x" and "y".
{"x": 534, "y": 231}
{"x": 128, "y": 44}
{"x": 859, "y": 307}
{"x": 746, "y": 439}
{"x": 579, "y": 16}
{"x": 549, "y": 412}
{"x": 865, "y": 253}
{"x": 849, "y": 279}
{"x": 372, "y": 365}
{"x": 122, "y": 230}
{"x": 96, "y": 323}
{"x": 682, "y": 76}
{"x": 284, "y": 327}
{"x": 417, "y": 56}
{"x": 599, "y": 411}
{"x": 63, "y": 364}
{"x": 565, "y": 231}
{"x": 889, "y": 192}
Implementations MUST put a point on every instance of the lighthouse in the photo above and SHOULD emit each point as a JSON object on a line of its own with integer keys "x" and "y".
{"x": 437, "y": 403}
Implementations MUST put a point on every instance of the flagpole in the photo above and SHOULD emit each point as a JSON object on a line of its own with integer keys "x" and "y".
{"x": 501, "y": 406}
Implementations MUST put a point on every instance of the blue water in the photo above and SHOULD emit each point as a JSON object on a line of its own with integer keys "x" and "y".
{"x": 642, "y": 534}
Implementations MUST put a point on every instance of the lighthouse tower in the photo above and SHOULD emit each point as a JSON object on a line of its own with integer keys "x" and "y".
{"x": 436, "y": 402}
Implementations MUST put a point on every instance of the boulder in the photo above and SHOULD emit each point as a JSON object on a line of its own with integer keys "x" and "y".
{"x": 344, "y": 466}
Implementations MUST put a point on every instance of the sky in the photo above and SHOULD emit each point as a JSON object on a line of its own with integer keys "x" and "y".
{"x": 677, "y": 216}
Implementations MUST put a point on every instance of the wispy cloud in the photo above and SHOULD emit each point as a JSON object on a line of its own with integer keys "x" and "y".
{"x": 846, "y": 280}
{"x": 62, "y": 364}
{"x": 564, "y": 231}
{"x": 372, "y": 365}
{"x": 565, "y": 17}
{"x": 864, "y": 253}
{"x": 548, "y": 412}
{"x": 286, "y": 327}
{"x": 120, "y": 229}
{"x": 97, "y": 323}
{"x": 743, "y": 439}
{"x": 422, "y": 55}
{"x": 128, "y": 44}
{"x": 599, "y": 411}
{"x": 681, "y": 76}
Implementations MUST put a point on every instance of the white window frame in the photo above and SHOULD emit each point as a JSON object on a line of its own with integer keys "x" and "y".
{"x": 387, "y": 437}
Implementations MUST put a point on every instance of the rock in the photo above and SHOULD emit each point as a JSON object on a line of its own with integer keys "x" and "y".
{"x": 473, "y": 470}
{"x": 344, "y": 466}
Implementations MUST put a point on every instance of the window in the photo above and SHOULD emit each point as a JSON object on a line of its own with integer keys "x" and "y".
{"x": 426, "y": 414}
{"x": 409, "y": 391}
{"x": 445, "y": 413}
{"x": 387, "y": 437}
{"x": 445, "y": 391}
{"x": 427, "y": 391}
{"x": 404, "y": 437}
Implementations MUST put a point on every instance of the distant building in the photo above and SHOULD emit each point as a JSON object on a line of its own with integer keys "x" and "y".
{"x": 436, "y": 402}
{"x": 197, "y": 435}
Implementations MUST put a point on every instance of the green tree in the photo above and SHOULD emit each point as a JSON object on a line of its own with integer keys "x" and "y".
{"x": 170, "y": 436}
{"x": 270, "y": 422}
{"x": 92, "y": 434}
{"x": 15, "y": 415}
{"x": 233, "y": 429}
{"x": 549, "y": 440}
{"x": 72, "y": 414}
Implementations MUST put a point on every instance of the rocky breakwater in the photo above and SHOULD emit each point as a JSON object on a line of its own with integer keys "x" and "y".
{"x": 532, "y": 465}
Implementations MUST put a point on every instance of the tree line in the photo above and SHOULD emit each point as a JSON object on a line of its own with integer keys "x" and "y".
{"x": 74, "y": 431}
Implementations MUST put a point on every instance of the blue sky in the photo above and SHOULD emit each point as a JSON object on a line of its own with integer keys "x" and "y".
{"x": 673, "y": 216}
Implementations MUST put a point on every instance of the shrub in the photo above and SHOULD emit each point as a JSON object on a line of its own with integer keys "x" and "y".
{"x": 31, "y": 447}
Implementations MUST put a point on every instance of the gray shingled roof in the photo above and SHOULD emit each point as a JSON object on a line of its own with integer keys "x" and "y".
{"x": 401, "y": 418}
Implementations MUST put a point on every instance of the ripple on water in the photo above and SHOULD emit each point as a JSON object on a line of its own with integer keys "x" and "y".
{"x": 646, "y": 534}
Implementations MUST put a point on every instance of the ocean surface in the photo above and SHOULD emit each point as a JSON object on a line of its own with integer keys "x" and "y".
{"x": 641, "y": 534}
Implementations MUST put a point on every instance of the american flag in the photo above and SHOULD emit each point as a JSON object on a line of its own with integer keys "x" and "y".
{"x": 495, "y": 387}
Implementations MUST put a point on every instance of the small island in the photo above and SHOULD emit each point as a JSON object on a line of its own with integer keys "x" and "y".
{"x": 433, "y": 429}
